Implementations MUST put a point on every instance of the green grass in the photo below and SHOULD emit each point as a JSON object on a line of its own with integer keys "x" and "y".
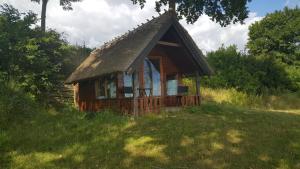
{"x": 226, "y": 131}
{"x": 210, "y": 136}
{"x": 282, "y": 101}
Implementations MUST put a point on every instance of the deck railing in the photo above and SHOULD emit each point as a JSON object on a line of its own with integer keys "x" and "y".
{"x": 150, "y": 104}
{"x": 172, "y": 101}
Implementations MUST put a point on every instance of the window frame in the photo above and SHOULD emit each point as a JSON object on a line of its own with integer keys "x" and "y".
{"x": 103, "y": 87}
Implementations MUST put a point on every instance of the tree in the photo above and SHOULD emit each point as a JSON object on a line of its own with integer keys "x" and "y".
{"x": 66, "y": 4}
{"x": 29, "y": 56}
{"x": 277, "y": 36}
{"x": 221, "y": 11}
{"x": 245, "y": 73}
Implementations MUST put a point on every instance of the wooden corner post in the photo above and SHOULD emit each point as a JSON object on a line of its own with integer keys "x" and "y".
{"x": 76, "y": 94}
{"x": 135, "y": 93}
{"x": 198, "y": 86}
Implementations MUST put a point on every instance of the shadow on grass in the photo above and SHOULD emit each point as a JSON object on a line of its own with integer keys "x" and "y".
{"x": 210, "y": 136}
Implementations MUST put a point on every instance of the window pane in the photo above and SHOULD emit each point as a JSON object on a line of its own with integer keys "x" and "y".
{"x": 155, "y": 65}
{"x": 152, "y": 76}
{"x": 106, "y": 88}
{"x": 112, "y": 89}
{"x": 128, "y": 83}
{"x": 172, "y": 85}
{"x": 101, "y": 89}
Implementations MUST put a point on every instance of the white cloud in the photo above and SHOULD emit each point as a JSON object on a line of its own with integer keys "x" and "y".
{"x": 210, "y": 35}
{"x": 292, "y": 3}
{"x": 97, "y": 21}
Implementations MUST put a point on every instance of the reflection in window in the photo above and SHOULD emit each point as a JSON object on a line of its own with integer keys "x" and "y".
{"x": 172, "y": 85}
{"x": 128, "y": 84}
{"x": 152, "y": 76}
{"x": 106, "y": 88}
{"x": 112, "y": 89}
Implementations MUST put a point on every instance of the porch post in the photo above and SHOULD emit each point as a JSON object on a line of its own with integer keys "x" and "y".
{"x": 120, "y": 85}
{"x": 76, "y": 94}
{"x": 197, "y": 83}
{"x": 135, "y": 93}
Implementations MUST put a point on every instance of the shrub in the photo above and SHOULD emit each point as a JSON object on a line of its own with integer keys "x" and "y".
{"x": 14, "y": 104}
{"x": 253, "y": 75}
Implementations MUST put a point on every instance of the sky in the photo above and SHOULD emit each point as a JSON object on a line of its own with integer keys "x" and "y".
{"x": 93, "y": 22}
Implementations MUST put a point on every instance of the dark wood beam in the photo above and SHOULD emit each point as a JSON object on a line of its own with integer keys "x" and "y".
{"x": 135, "y": 94}
{"x": 169, "y": 44}
{"x": 197, "y": 76}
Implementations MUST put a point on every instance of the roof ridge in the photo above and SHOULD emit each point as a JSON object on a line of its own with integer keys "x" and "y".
{"x": 116, "y": 39}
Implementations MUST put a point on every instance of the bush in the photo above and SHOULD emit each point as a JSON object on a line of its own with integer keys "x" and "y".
{"x": 15, "y": 104}
{"x": 36, "y": 60}
{"x": 249, "y": 74}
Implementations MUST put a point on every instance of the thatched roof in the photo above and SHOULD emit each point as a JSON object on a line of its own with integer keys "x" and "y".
{"x": 123, "y": 53}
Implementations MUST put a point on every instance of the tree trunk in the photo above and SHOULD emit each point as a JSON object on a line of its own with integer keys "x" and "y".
{"x": 172, "y": 5}
{"x": 43, "y": 15}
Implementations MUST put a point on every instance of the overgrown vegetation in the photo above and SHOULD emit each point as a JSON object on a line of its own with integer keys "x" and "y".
{"x": 277, "y": 37}
{"x": 37, "y": 61}
{"x": 273, "y": 62}
{"x": 246, "y": 73}
{"x": 286, "y": 101}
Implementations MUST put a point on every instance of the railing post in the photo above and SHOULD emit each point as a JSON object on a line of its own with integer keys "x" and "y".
{"x": 135, "y": 94}
{"x": 197, "y": 84}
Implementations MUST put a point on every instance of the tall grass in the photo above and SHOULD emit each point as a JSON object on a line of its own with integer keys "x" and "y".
{"x": 281, "y": 101}
{"x": 15, "y": 104}
{"x": 271, "y": 102}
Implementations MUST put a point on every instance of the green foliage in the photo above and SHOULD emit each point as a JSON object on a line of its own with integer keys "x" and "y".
{"x": 15, "y": 105}
{"x": 222, "y": 12}
{"x": 277, "y": 37}
{"x": 244, "y": 73}
{"x": 74, "y": 55}
{"x": 33, "y": 58}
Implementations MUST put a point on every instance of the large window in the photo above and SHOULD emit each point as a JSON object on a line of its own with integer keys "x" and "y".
{"x": 152, "y": 76}
{"x": 106, "y": 87}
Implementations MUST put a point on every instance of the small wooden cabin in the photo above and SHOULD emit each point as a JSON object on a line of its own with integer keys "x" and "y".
{"x": 142, "y": 70}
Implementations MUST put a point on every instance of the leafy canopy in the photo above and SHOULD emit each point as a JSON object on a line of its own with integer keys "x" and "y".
{"x": 28, "y": 55}
{"x": 278, "y": 34}
{"x": 221, "y": 11}
{"x": 244, "y": 73}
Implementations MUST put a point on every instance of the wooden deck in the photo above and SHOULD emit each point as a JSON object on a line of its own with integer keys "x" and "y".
{"x": 152, "y": 104}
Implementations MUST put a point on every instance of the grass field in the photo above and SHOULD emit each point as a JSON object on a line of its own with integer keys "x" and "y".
{"x": 211, "y": 136}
